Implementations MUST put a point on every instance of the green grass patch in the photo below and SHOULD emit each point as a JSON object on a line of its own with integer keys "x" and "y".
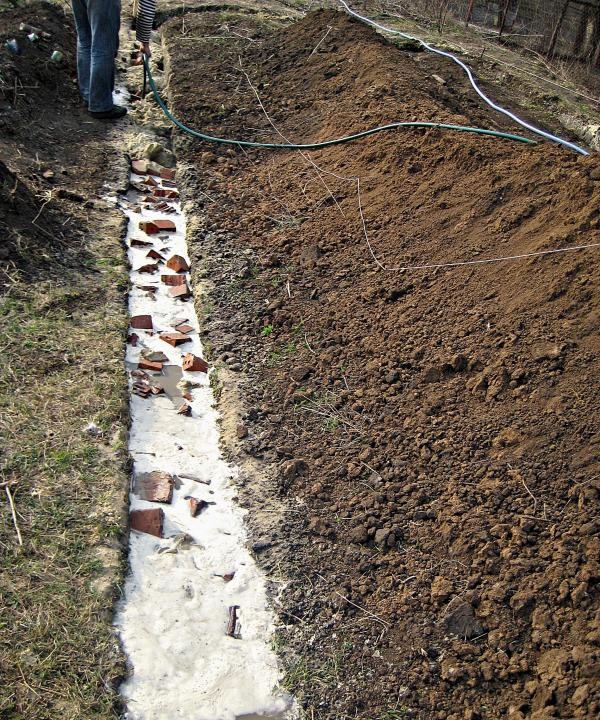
{"x": 62, "y": 351}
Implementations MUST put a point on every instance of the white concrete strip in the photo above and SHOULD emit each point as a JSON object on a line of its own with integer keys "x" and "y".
{"x": 174, "y": 616}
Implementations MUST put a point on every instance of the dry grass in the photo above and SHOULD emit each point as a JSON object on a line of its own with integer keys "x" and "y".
{"x": 61, "y": 344}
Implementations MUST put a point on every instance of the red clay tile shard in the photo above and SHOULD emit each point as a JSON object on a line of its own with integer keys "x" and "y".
{"x": 184, "y": 328}
{"x": 150, "y": 181}
{"x": 165, "y": 225}
{"x": 188, "y": 396}
{"x": 138, "y": 167}
{"x": 140, "y": 243}
{"x": 185, "y": 409}
{"x": 164, "y": 193}
{"x": 175, "y": 338}
{"x": 132, "y": 339}
{"x": 156, "y": 356}
{"x": 147, "y": 521}
{"x": 169, "y": 183}
{"x": 141, "y": 322}
{"x": 180, "y": 293}
{"x": 151, "y": 268}
{"x": 144, "y": 364}
{"x": 193, "y": 363}
{"x": 228, "y": 577}
{"x": 173, "y": 280}
{"x": 156, "y": 389}
{"x": 154, "y": 486}
{"x": 149, "y": 227}
{"x": 177, "y": 264}
{"x": 167, "y": 174}
{"x": 196, "y": 505}
{"x": 155, "y": 255}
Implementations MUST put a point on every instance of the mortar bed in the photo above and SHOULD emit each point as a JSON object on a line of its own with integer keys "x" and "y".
{"x": 173, "y": 618}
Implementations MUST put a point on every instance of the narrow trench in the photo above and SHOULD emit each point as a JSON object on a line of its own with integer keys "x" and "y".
{"x": 194, "y": 619}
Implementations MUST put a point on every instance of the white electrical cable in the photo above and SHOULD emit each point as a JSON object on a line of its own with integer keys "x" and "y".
{"x": 477, "y": 89}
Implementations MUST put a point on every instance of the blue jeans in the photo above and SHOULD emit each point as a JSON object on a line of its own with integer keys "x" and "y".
{"x": 97, "y": 23}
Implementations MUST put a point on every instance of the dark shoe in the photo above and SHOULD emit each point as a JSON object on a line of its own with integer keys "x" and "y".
{"x": 116, "y": 112}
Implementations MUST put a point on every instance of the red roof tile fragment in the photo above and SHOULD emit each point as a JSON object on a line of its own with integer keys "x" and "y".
{"x": 147, "y": 521}
{"x": 180, "y": 292}
{"x": 173, "y": 280}
{"x": 140, "y": 243}
{"x": 132, "y": 339}
{"x": 167, "y": 174}
{"x": 184, "y": 328}
{"x": 165, "y": 225}
{"x": 150, "y": 268}
{"x": 177, "y": 264}
{"x": 141, "y": 322}
{"x": 149, "y": 227}
{"x": 155, "y": 255}
{"x": 154, "y": 486}
{"x": 175, "y": 338}
{"x": 185, "y": 409}
{"x": 196, "y": 505}
{"x": 145, "y": 364}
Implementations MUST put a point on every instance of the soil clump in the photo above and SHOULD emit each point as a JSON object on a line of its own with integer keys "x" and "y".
{"x": 434, "y": 431}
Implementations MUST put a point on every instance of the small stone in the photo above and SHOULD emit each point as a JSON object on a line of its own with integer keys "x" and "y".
{"x": 241, "y": 431}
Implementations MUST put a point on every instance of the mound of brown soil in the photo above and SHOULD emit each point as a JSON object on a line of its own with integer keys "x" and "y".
{"x": 435, "y": 431}
{"x": 40, "y": 130}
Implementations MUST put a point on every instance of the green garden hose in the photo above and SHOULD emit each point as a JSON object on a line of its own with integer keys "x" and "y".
{"x": 316, "y": 145}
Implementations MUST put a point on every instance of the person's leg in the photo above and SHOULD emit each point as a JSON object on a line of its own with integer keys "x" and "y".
{"x": 84, "y": 46}
{"x": 105, "y": 19}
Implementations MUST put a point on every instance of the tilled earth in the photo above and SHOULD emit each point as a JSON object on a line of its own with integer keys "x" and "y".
{"x": 432, "y": 432}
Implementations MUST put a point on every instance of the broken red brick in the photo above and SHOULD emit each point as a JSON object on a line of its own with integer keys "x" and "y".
{"x": 155, "y": 255}
{"x": 140, "y": 243}
{"x": 147, "y": 521}
{"x": 151, "y": 268}
{"x": 173, "y": 280}
{"x": 185, "y": 409}
{"x": 196, "y": 505}
{"x": 132, "y": 339}
{"x": 175, "y": 338}
{"x": 167, "y": 174}
{"x": 183, "y": 328}
{"x": 150, "y": 181}
{"x": 141, "y": 322}
{"x": 154, "y": 486}
{"x": 180, "y": 292}
{"x": 177, "y": 264}
{"x": 193, "y": 363}
{"x": 144, "y": 364}
{"x": 165, "y": 225}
